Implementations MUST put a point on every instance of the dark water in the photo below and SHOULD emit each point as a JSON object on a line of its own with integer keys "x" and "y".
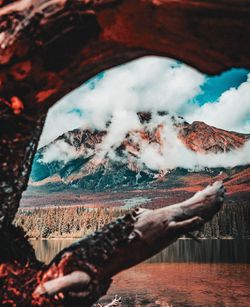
{"x": 207, "y": 251}
{"x": 212, "y": 273}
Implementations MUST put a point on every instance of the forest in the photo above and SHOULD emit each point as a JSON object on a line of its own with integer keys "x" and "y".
{"x": 233, "y": 221}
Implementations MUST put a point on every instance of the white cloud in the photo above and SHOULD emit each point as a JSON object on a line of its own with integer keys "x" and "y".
{"x": 166, "y": 154}
{"x": 59, "y": 151}
{"x": 173, "y": 153}
{"x": 122, "y": 123}
{"x": 148, "y": 84}
{"x": 230, "y": 112}
{"x": 57, "y": 123}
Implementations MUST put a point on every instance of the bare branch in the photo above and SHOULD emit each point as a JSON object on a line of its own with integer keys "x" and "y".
{"x": 108, "y": 251}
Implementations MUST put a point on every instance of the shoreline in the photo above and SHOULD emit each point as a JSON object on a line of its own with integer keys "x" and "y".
{"x": 76, "y": 238}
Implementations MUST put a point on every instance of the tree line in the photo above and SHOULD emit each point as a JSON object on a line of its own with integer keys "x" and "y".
{"x": 233, "y": 221}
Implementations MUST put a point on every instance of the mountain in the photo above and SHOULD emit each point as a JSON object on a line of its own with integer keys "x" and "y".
{"x": 93, "y": 160}
{"x": 203, "y": 138}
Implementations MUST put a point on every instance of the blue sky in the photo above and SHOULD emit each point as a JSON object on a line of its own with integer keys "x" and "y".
{"x": 154, "y": 84}
{"x": 215, "y": 86}
{"x": 212, "y": 89}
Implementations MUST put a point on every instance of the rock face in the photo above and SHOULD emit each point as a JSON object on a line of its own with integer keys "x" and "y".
{"x": 204, "y": 138}
{"x": 81, "y": 159}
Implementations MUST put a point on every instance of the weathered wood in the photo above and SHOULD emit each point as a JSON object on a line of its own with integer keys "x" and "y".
{"x": 82, "y": 273}
{"x": 48, "y": 48}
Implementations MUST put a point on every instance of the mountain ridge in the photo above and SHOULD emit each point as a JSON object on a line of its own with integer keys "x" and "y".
{"x": 88, "y": 161}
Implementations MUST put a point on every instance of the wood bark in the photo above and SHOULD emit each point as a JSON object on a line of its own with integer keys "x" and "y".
{"x": 82, "y": 273}
{"x": 48, "y": 48}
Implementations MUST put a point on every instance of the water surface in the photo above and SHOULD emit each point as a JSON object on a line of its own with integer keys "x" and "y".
{"x": 212, "y": 273}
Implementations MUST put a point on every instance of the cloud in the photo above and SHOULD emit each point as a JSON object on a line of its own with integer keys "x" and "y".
{"x": 58, "y": 123}
{"x": 173, "y": 153}
{"x": 230, "y": 112}
{"x": 151, "y": 84}
{"x": 59, "y": 151}
{"x": 180, "y": 156}
{"x": 148, "y": 84}
{"x": 122, "y": 122}
{"x": 166, "y": 154}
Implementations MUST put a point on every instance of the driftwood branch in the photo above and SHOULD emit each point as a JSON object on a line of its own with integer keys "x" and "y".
{"x": 116, "y": 302}
{"x": 82, "y": 273}
{"x": 47, "y": 49}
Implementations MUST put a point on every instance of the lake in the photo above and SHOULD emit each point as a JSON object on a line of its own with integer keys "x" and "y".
{"x": 187, "y": 273}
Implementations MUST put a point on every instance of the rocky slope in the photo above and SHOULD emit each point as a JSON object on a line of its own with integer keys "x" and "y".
{"x": 201, "y": 137}
{"x": 87, "y": 159}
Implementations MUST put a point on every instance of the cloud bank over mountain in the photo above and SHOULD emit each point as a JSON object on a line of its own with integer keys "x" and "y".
{"x": 160, "y": 144}
{"x": 149, "y": 84}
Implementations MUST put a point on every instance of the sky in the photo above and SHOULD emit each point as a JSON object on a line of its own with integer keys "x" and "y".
{"x": 153, "y": 84}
